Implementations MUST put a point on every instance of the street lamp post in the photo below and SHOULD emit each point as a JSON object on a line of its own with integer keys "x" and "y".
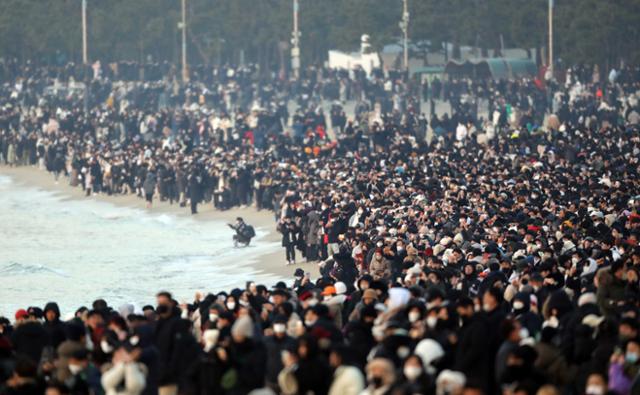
{"x": 85, "y": 57}
{"x": 84, "y": 32}
{"x": 551, "y": 37}
{"x": 183, "y": 25}
{"x": 404, "y": 26}
{"x": 295, "y": 41}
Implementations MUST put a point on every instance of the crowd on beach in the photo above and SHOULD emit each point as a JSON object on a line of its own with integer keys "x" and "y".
{"x": 459, "y": 253}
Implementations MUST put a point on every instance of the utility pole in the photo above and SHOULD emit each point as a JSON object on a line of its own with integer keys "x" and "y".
{"x": 295, "y": 41}
{"x": 551, "y": 37}
{"x": 404, "y": 26}
{"x": 85, "y": 58}
{"x": 183, "y": 26}
{"x": 84, "y": 32}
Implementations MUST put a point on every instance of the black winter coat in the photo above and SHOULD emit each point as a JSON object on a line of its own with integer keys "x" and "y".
{"x": 472, "y": 352}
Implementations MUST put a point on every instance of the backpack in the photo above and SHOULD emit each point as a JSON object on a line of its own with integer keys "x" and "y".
{"x": 249, "y": 231}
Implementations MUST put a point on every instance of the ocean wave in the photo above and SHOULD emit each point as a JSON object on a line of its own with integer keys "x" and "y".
{"x": 15, "y": 268}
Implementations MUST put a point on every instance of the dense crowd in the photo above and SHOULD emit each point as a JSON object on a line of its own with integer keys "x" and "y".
{"x": 458, "y": 255}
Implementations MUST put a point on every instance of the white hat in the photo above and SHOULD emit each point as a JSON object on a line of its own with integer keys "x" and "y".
{"x": 210, "y": 338}
{"x": 450, "y": 381}
{"x": 587, "y": 298}
{"x": 592, "y": 320}
{"x": 429, "y": 350}
{"x": 243, "y": 327}
{"x": 340, "y": 287}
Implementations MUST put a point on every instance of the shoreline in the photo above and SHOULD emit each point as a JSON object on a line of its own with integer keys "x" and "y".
{"x": 272, "y": 263}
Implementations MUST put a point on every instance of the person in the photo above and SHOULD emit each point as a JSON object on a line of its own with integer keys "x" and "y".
{"x": 380, "y": 377}
{"x": 244, "y": 232}
{"x": 53, "y": 325}
{"x": 347, "y": 379}
{"x": 149, "y": 187}
{"x": 125, "y": 376}
{"x": 472, "y": 349}
{"x": 276, "y": 344}
{"x": 29, "y": 337}
{"x": 165, "y": 335}
{"x": 247, "y": 356}
{"x": 416, "y": 378}
{"x": 24, "y": 380}
{"x": 289, "y": 233}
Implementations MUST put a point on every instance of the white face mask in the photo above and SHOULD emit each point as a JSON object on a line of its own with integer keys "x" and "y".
{"x": 486, "y": 307}
{"x": 412, "y": 372}
{"x": 524, "y": 333}
{"x": 106, "y": 347}
{"x": 518, "y": 305}
{"x": 213, "y": 317}
{"x": 309, "y": 323}
{"x": 279, "y": 328}
{"x": 414, "y": 316}
{"x": 313, "y": 302}
{"x": 594, "y": 390}
{"x": 432, "y": 321}
{"x": 231, "y": 305}
{"x": 75, "y": 369}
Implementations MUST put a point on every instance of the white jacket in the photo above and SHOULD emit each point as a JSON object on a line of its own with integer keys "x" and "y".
{"x": 347, "y": 380}
{"x": 133, "y": 375}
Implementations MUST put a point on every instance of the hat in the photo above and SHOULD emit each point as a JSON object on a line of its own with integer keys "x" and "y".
{"x": 451, "y": 380}
{"x": 281, "y": 285}
{"x": 341, "y": 288}
{"x": 369, "y": 293}
{"x": 429, "y": 351}
{"x": 592, "y": 320}
{"x": 329, "y": 290}
{"x": 587, "y": 298}
{"x": 242, "y": 327}
{"x": 21, "y": 314}
{"x": 305, "y": 295}
{"x": 298, "y": 273}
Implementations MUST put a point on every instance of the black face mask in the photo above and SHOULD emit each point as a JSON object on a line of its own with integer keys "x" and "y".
{"x": 376, "y": 382}
{"x": 162, "y": 309}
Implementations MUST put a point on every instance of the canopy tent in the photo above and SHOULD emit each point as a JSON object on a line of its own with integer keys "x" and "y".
{"x": 496, "y": 68}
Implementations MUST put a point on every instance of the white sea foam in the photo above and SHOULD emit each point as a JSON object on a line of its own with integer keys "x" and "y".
{"x": 74, "y": 251}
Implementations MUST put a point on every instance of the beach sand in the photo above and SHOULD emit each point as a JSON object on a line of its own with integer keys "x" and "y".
{"x": 273, "y": 263}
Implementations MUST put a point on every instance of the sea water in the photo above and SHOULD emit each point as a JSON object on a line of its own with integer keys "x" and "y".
{"x": 75, "y": 251}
